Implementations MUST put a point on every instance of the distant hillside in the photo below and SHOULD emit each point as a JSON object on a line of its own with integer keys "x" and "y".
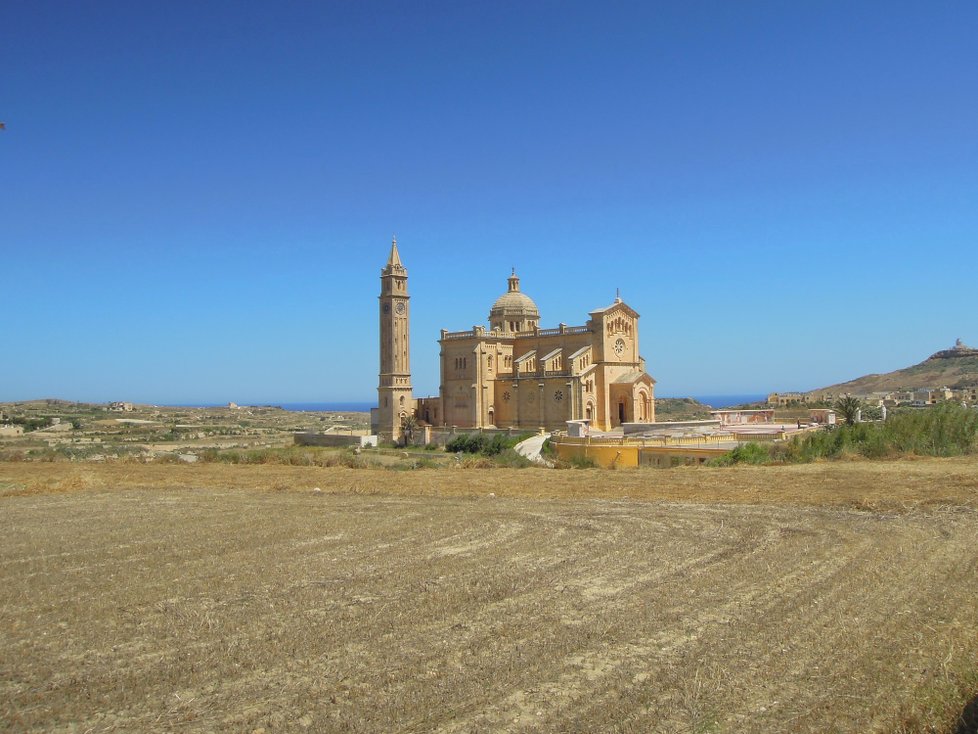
{"x": 680, "y": 409}
{"x": 954, "y": 368}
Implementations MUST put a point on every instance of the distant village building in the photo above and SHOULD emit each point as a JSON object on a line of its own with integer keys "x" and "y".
{"x": 822, "y": 416}
{"x": 968, "y": 395}
{"x": 119, "y": 407}
{"x": 513, "y": 374}
{"x": 789, "y": 398}
{"x": 928, "y": 396}
{"x": 743, "y": 417}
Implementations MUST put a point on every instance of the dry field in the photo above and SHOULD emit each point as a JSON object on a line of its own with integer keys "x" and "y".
{"x": 827, "y": 598}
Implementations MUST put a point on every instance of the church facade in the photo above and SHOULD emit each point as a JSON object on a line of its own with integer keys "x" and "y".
{"x": 515, "y": 374}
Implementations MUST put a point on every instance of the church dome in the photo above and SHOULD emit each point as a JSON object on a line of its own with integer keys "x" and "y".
{"x": 514, "y": 310}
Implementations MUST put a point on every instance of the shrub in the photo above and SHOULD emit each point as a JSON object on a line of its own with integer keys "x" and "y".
{"x": 31, "y": 424}
{"x": 945, "y": 430}
{"x": 483, "y": 443}
{"x": 748, "y": 453}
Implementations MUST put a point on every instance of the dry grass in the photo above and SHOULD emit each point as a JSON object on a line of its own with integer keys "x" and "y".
{"x": 826, "y": 598}
{"x": 872, "y": 485}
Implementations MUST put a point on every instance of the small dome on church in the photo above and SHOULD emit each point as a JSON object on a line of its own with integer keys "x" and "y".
{"x": 514, "y": 310}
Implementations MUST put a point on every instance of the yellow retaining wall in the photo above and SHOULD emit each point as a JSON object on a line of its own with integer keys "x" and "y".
{"x": 604, "y": 455}
{"x": 663, "y": 458}
{"x": 620, "y": 453}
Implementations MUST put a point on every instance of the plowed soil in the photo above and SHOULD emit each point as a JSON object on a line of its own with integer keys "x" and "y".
{"x": 504, "y": 601}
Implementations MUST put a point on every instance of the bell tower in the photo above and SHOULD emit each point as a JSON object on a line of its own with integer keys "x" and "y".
{"x": 394, "y": 401}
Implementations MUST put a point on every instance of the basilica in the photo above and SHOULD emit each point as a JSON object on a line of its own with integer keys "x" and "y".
{"x": 513, "y": 374}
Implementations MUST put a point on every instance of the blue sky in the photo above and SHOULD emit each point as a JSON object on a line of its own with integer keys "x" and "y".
{"x": 198, "y": 197}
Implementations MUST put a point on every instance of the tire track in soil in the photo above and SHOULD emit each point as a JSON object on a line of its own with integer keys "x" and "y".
{"x": 524, "y": 568}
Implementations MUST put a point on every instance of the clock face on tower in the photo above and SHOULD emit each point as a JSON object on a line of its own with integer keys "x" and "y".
{"x": 399, "y": 308}
{"x": 619, "y": 347}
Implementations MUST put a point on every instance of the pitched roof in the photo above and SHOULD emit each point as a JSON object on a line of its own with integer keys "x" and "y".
{"x": 634, "y": 376}
{"x": 617, "y": 304}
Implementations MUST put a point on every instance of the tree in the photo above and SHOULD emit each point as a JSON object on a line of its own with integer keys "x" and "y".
{"x": 409, "y": 424}
{"x": 848, "y": 408}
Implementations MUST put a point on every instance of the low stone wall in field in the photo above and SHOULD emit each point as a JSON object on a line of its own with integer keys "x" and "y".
{"x": 332, "y": 439}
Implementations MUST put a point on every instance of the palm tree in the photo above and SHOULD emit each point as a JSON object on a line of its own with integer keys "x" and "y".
{"x": 848, "y": 408}
{"x": 409, "y": 425}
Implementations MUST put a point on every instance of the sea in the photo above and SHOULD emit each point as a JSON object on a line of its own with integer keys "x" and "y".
{"x": 723, "y": 401}
{"x": 715, "y": 401}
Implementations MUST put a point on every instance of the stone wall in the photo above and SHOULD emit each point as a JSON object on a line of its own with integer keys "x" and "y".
{"x": 331, "y": 439}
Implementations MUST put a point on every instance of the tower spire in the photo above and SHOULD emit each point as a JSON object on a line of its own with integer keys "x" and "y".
{"x": 396, "y": 403}
{"x": 395, "y": 258}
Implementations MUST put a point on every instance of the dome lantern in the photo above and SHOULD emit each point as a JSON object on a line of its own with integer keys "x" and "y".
{"x": 514, "y": 311}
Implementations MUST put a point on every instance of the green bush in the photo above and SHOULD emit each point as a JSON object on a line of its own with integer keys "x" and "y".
{"x": 31, "y": 424}
{"x": 748, "y": 453}
{"x": 483, "y": 443}
{"x": 944, "y": 430}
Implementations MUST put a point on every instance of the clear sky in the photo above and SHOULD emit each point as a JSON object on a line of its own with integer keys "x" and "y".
{"x": 197, "y": 197}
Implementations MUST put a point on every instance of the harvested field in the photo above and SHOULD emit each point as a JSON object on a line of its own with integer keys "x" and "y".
{"x": 173, "y": 598}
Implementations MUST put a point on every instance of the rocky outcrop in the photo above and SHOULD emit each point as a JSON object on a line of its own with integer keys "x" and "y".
{"x": 960, "y": 349}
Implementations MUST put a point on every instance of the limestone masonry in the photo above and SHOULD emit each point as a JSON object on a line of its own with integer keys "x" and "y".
{"x": 514, "y": 374}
